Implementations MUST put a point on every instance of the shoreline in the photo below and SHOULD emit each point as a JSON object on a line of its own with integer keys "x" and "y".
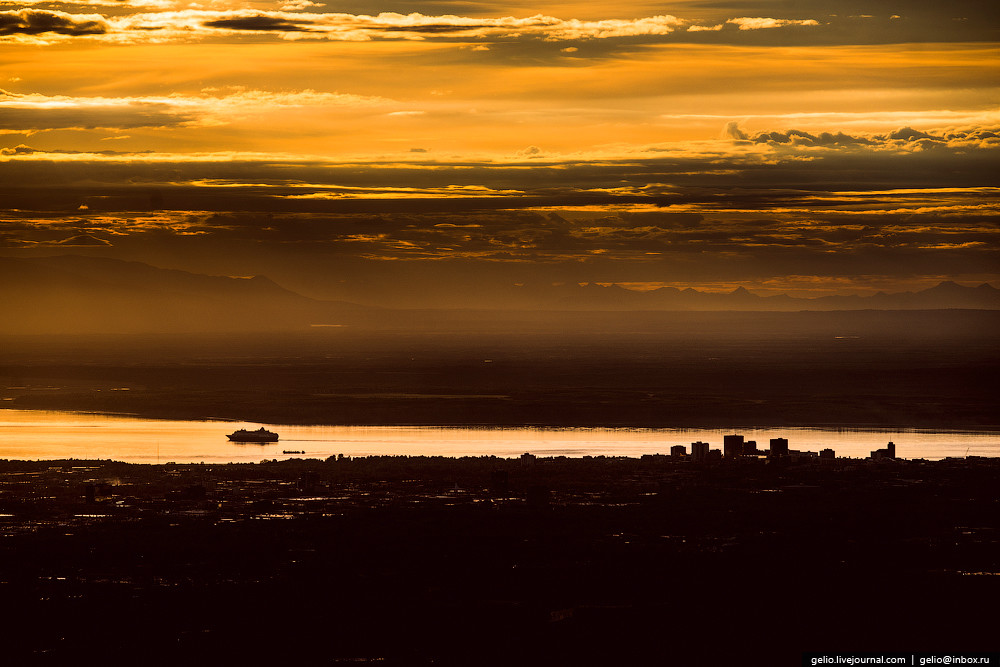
{"x": 513, "y": 425}
{"x": 659, "y": 462}
{"x": 51, "y": 435}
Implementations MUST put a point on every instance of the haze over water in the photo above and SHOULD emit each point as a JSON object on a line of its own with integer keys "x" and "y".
{"x": 26, "y": 434}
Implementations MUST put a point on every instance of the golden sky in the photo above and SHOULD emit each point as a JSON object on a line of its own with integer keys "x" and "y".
{"x": 813, "y": 146}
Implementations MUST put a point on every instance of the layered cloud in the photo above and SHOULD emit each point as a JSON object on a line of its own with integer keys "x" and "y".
{"x": 175, "y": 22}
{"x": 904, "y": 138}
{"x": 562, "y": 142}
{"x": 738, "y": 212}
{"x": 761, "y": 23}
{"x": 765, "y": 190}
{"x": 812, "y": 22}
{"x": 660, "y": 168}
{"x": 27, "y": 113}
{"x": 120, "y": 5}
{"x": 187, "y": 24}
{"x": 39, "y": 22}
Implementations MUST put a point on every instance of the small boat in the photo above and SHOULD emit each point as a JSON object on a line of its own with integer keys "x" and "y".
{"x": 293, "y": 451}
{"x": 260, "y": 435}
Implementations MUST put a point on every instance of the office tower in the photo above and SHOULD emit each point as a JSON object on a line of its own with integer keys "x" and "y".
{"x": 732, "y": 446}
{"x": 699, "y": 451}
{"x": 779, "y": 447}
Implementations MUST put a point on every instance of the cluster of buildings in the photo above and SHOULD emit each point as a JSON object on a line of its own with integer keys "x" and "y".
{"x": 737, "y": 447}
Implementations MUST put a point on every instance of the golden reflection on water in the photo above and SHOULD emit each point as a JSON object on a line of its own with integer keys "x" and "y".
{"x": 26, "y": 434}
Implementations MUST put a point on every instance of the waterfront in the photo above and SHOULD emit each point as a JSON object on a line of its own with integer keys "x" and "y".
{"x": 30, "y": 435}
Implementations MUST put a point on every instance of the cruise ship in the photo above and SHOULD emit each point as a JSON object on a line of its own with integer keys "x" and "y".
{"x": 260, "y": 435}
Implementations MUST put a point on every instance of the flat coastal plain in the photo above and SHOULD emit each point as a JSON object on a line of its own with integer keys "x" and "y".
{"x": 919, "y": 369}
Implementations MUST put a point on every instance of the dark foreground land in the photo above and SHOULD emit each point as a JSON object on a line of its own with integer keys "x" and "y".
{"x": 486, "y": 561}
{"x": 927, "y": 369}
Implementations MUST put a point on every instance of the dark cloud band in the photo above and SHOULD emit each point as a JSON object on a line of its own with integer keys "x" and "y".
{"x": 38, "y": 22}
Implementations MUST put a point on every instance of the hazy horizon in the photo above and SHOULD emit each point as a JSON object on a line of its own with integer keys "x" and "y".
{"x": 66, "y": 290}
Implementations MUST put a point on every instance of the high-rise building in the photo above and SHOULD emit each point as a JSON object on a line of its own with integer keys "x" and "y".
{"x": 888, "y": 452}
{"x": 827, "y": 453}
{"x": 678, "y": 451}
{"x": 779, "y": 447}
{"x": 699, "y": 451}
{"x": 732, "y": 446}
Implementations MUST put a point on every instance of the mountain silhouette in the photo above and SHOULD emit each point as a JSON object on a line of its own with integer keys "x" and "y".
{"x": 75, "y": 294}
{"x": 593, "y": 296}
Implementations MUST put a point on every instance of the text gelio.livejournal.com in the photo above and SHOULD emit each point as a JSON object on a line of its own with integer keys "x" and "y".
{"x": 913, "y": 659}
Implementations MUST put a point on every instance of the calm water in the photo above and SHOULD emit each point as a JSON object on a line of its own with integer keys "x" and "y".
{"x": 26, "y": 434}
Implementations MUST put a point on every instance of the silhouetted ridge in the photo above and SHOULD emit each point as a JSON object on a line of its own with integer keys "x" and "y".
{"x": 78, "y": 294}
{"x": 594, "y": 296}
{"x": 75, "y": 294}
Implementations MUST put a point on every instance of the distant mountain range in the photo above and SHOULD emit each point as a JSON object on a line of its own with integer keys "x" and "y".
{"x": 75, "y": 294}
{"x": 594, "y": 296}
